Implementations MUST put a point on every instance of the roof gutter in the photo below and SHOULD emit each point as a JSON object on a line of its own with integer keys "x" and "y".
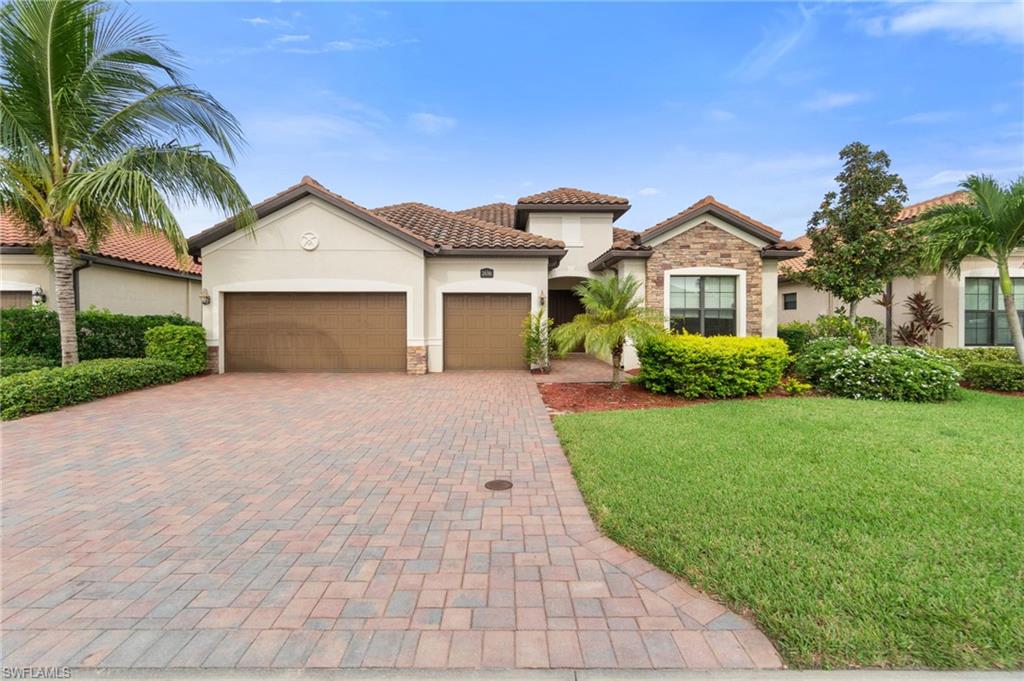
{"x": 137, "y": 267}
{"x": 614, "y": 255}
{"x": 769, "y": 253}
{"x": 554, "y": 255}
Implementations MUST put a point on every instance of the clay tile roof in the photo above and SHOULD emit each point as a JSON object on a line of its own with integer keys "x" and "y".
{"x": 626, "y": 240}
{"x": 503, "y": 214}
{"x": 568, "y": 195}
{"x": 916, "y": 210}
{"x": 146, "y": 248}
{"x": 452, "y": 230}
{"x": 908, "y": 214}
{"x": 709, "y": 202}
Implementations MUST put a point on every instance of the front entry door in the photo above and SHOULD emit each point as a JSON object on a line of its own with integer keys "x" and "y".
{"x": 564, "y": 306}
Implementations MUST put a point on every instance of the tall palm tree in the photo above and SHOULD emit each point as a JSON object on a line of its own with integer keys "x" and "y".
{"x": 611, "y": 316}
{"x": 991, "y": 226}
{"x": 99, "y": 132}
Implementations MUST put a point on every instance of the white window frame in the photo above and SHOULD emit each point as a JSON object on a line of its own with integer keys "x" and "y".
{"x": 741, "y": 291}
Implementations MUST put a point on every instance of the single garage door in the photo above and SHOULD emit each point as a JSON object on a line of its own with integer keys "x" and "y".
{"x": 314, "y": 332}
{"x": 481, "y": 330}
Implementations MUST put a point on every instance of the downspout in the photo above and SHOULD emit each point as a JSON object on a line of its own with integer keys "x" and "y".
{"x": 74, "y": 273}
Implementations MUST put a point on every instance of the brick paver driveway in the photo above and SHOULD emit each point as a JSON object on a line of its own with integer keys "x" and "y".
{"x": 328, "y": 521}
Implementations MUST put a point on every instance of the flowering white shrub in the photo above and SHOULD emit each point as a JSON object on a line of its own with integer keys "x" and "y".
{"x": 881, "y": 372}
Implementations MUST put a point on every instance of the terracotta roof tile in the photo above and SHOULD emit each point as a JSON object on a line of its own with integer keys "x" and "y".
{"x": 626, "y": 240}
{"x": 908, "y": 214}
{"x": 146, "y": 248}
{"x": 707, "y": 202}
{"x": 503, "y": 214}
{"x": 569, "y": 195}
{"x": 452, "y": 230}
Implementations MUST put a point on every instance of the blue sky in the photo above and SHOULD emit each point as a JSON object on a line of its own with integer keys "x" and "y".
{"x": 462, "y": 104}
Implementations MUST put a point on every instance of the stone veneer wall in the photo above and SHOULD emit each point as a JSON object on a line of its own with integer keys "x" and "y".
{"x": 707, "y": 246}
{"x": 213, "y": 358}
{"x": 416, "y": 359}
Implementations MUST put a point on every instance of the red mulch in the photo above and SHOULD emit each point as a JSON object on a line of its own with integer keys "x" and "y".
{"x": 581, "y": 397}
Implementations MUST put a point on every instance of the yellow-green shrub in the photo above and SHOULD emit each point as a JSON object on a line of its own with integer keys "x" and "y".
{"x": 718, "y": 366}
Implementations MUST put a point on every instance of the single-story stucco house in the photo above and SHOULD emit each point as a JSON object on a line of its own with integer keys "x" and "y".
{"x": 128, "y": 273}
{"x": 323, "y": 284}
{"x": 970, "y": 302}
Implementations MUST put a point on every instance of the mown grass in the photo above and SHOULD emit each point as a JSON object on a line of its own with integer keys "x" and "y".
{"x": 857, "y": 533}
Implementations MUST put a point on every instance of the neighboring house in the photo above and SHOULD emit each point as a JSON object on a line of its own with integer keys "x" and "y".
{"x": 128, "y": 273}
{"x": 970, "y": 302}
{"x": 323, "y": 284}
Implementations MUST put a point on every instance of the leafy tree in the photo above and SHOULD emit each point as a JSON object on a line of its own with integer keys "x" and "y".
{"x": 990, "y": 226}
{"x": 98, "y": 131}
{"x": 612, "y": 314}
{"x": 857, "y": 246}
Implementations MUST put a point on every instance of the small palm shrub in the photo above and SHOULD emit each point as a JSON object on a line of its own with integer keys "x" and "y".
{"x": 886, "y": 373}
{"x": 719, "y": 366}
{"x": 536, "y": 335}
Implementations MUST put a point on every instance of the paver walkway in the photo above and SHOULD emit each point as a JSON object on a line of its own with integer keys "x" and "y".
{"x": 576, "y": 367}
{"x": 259, "y": 521}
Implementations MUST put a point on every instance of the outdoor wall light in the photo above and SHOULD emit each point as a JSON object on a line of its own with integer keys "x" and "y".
{"x": 542, "y": 300}
{"x": 38, "y": 297}
{"x": 204, "y": 297}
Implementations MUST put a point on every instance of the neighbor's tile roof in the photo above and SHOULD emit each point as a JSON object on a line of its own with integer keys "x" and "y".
{"x": 626, "y": 240}
{"x": 120, "y": 244}
{"x": 452, "y": 230}
{"x": 569, "y": 195}
{"x": 908, "y": 214}
{"x": 706, "y": 202}
{"x": 503, "y": 214}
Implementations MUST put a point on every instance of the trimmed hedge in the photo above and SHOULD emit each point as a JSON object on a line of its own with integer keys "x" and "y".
{"x": 1004, "y": 376}
{"x": 965, "y": 357}
{"x": 19, "y": 364}
{"x": 43, "y": 390}
{"x": 183, "y": 345}
{"x": 882, "y": 372}
{"x": 35, "y": 331}
{"x": 795, "y": 335}
{"x": 720, "y": 366}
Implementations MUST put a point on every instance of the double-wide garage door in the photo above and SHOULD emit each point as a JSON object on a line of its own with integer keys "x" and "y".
{"x": 314, "y": 332}
{"x": 482, "y": 330}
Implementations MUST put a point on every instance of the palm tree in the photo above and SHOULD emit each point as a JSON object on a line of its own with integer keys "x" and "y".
{"x": 611, "y": 316}
{"x": 991, "y": 226}
{"x": 99, "y": 132}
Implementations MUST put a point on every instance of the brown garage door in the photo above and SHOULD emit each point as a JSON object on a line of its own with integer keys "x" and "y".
{"x": 481, "y": 330}
{"x": 15, "y": 299}
{"x": 314, "y": 332}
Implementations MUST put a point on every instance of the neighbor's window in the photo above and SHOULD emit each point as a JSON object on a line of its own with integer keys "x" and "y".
{"x": 985, "y": 321}
{"x": 788, "y": 301}
{"x": 705, "y": 305}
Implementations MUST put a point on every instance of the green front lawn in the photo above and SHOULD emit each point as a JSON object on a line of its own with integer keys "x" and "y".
{"x": 857, "y": 533}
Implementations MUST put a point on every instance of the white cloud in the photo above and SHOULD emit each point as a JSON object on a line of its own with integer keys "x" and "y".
{"x": 431, "y": 124}
{"x": 353, "y": 44}
{"x": 944, "y": 177}
{"x": 648, "y": 191}
{"x": 825, "y": 101}
{"x": 928, "y": 117}
{"x": 778, "y": 41}
{"x": 975, "y": 21}
{"x": 265, "y": 21}
{"x": 290, "y": 38}
{"x": 720, "y": 115}
{"x": 257, "y": 21}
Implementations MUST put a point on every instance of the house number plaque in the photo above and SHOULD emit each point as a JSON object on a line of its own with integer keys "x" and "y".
{"x": 487, "y": 273}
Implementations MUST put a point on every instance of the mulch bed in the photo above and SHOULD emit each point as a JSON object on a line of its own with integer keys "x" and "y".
{"x": 582, "y": 397}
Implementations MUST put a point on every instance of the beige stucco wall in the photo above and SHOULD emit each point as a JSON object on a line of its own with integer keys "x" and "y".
{"x": 352, "y": 255}
{"x": 454, "y": 274}
{"x": 20, "y": 272}
{"x": 130, "y": 292}
{"x": 946, "y": 290}
{"x": 117, "y": 289}
{"x": 586, "y": 236}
